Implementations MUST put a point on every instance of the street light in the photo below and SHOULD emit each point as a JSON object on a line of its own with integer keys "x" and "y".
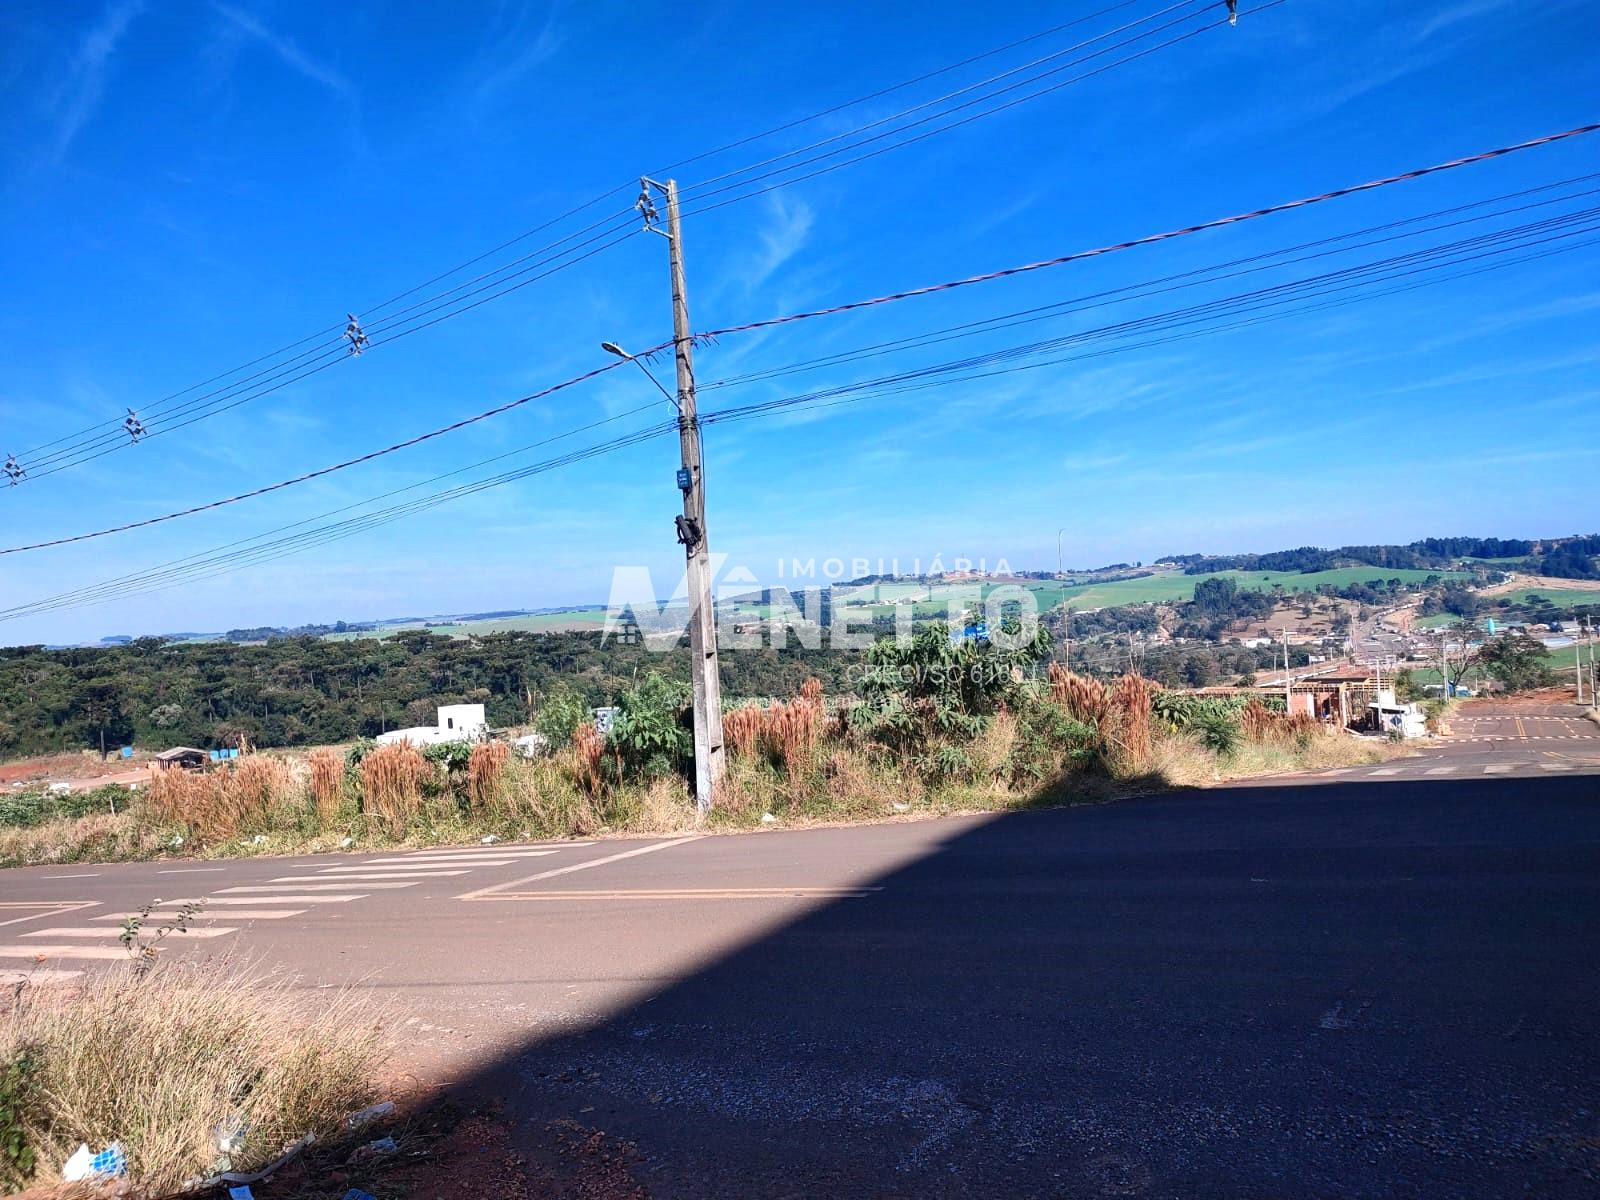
{"x": 613, "y": 348}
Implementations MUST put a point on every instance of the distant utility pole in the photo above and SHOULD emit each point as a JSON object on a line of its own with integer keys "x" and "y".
{"x": 1066, "y": 606}
{"x": 709, "y": 755}
{"x": 1287, "y": 692}
{"x": 1577, "y": 661}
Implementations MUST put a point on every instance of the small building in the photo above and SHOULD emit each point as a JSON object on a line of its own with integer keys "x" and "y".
{"x": 185, "y": 758}
{"x": 1396, "y": 719}
{"x": 456, "y": 723}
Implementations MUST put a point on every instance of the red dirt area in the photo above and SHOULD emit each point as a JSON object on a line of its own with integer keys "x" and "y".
{"x": 55, "y": 766}
{"x": 80, "y": 770}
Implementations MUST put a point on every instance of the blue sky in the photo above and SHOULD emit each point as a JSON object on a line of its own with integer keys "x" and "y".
{"x": 185, "y": 186}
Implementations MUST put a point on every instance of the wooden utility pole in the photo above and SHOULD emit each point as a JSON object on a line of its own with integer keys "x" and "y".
{"x": 1288, "y": 691}
{"x": 709, "y": 756}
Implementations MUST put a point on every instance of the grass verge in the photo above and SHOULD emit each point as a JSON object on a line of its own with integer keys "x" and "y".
{"x": 161, "y": 1060}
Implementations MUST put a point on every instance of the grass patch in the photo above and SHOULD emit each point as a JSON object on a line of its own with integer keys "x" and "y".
{"x": 160, "y": 1061}
{"x": 1067, "y": 740}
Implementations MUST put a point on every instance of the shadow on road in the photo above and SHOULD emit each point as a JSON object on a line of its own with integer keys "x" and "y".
{"x": 1265, "y": 992}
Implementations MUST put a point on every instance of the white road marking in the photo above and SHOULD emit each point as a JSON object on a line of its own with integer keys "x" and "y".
{"x": 1499, "y": 768}
{"x": 43, "y": 977}
{"x": 62, "y": 952}
{"x": 192, "y": 871}
{"x": 295, "y": 899}
{"x": 341, "y": 879}
{"x": 1555, "y": 766}
{"x": 90, "y": 875}
{"x": 748, "y": 893}
{"x": 500, "y": 855}
{"x": 90, "y": 931}
{"x": 1387, "y": 771}
{"x": 1440, "y": 771}
{"x": 34, "y": 910}
{"x": 235, "y": 914}
{"x": 485, "y": 893}
{"x": 277, "y": 885}
{"x": 444, "y": 868}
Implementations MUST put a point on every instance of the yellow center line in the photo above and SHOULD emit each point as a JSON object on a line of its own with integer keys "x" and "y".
{"x": 1522, "y": 731}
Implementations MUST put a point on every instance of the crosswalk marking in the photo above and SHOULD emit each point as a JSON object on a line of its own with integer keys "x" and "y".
{"x": 342, "y": 879}
{"x": 1387, "y": 771}
{"x": 89, "y": 931}
{"x": 43, "y": 977}
{"x": 1439, "y": 771}
{"x": 503, "y": 856}
{"x": 1499, "y": 768}
{"x": 235, "y": 914}
{"x": 396, "y": 871}
{"x": 65, "y": 951}
{"x": 294, "y": 899}
{"x": 276, "y": 885}
{"x": 1555, "y": 766}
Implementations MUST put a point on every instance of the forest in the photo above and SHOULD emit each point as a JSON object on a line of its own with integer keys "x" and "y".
{"x": 306, "y": 691}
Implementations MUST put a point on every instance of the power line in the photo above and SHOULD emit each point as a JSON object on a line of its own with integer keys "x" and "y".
{"x": 1260, "y": 302}
{"x": 330, "y": 352}
{"x": 1151, "y": 239}
{"x": 229, "y": 559}
{"x": 1197, "y": 277}
{"x": 221, "y": 560}
{"x": 689, "y": 192}
{"x": 851, "y": 306}
{"x": 328, "y": 470}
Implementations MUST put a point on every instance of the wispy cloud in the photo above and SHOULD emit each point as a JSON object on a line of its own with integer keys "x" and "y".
{"x": 524, "y": 55}
{"x": 286, "y": 50}
{"x": 788, "y": 228}
{"x": 84, "y": 83}
{"x": 1454, "y": 15}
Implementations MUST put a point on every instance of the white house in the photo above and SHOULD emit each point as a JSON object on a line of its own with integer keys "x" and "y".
{"x": 457, "y": 723}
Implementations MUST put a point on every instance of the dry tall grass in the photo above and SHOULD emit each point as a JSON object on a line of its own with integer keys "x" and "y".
{"x": 485, "y": 771}
{"x": 216, "y": 805}
{"x": 1082, "y": 698}
{"x": 327, "y": 783}
{"x": 789, "y": 731}
{"x": 741, "y": 729}
{"x": 158, "y": 1062}
{"x": 588, "y": 748}
{"x": 1130, "y": 705}
{"x": 392, "y": 778}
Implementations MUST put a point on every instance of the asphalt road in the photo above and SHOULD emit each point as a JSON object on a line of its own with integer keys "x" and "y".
{"x": 1377, "y": 987}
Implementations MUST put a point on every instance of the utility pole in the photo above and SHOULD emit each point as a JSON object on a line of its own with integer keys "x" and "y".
{"x": 1577, "y": 661}
{"x": 709, "y": 755}
{"x": 1066, "y": 606}
{"x": 1287, "y": 690}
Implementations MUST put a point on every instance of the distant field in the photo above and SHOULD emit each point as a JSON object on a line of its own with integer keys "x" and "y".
{"x": 1559, "y": 597}
{"x": 1163, "y": 588}
{"x": 1171, "y": 586}
{"x": 557, "y": 622}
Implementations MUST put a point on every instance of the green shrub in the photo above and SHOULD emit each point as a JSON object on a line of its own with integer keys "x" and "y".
{"x": 1048, "y": 740}
{"x": 560, "y": 715}
{"x": 16, "y": 1154}
{"x": 653, "y": 732}
{"x": 1218, "y": 729}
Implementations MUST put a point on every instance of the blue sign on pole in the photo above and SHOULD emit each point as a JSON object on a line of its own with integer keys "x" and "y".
{"x": 127, "y": 752}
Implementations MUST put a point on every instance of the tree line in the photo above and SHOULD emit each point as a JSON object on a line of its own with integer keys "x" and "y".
{"x": 305, "y": 690}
